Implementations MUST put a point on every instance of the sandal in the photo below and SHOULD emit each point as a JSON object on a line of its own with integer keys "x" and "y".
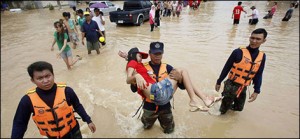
{"x": 216, "y": 99}
{"x": 79, "y": 58}
{"x": 198, "y": 107}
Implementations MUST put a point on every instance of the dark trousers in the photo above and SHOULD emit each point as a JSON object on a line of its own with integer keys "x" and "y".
{"x": 236, "y": 21}
{"x": 157, "y": 21}
{"x": 152, "y": 26}
{"x": 253, "y": 21}
{"x": 165, "y": 118}
{"x": 168, "y": 12}
{"x": 165, "y": 12}
{"x": 230, "y": 100}
{"x": 286, "y": 18}
{"x": 268, "y": 16}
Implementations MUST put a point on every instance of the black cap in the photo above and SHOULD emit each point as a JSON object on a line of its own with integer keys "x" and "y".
{"x": 136, "y": 50}
{"x": 156, "y": 47}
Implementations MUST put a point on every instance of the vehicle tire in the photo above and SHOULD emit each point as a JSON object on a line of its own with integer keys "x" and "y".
{"x": 141, "y": 21}
{"x": 118, "y": 9}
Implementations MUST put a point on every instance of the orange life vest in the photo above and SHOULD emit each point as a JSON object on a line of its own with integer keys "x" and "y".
{"x": 162, "y": 74}
{"x": 244, "y": 71}
{"x": 56, "y": 121}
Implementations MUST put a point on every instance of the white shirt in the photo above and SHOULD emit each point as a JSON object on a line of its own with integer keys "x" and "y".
{"x": 100, "y": 25}
{"x": 255, "y": 14}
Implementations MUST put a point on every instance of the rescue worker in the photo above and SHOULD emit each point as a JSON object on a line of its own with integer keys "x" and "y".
{"x": 244, "y": 65}
{"x": 151, "y": 111}
{"x": 52, "y": 106}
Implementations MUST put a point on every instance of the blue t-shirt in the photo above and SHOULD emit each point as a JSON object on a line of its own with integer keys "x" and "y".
{"x": 90, "y": 30}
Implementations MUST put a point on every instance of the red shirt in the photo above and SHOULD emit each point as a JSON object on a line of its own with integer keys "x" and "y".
{"x": 237, "y": 11}
{"x": 139, "y": 67}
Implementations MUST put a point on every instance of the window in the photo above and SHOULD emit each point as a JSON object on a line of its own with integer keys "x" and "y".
{"x": 148, "y": 4}
{"x": 109, "y": 4}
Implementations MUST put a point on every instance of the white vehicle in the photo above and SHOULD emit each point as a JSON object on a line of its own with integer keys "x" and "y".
{"x": 111, "y": 6}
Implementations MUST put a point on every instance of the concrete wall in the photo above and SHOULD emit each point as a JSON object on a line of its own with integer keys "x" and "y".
{"x": 54, "y": 3}
{"x": 34, "y": 4}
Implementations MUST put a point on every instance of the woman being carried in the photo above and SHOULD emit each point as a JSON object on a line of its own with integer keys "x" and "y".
{"x": 161, "y": 92}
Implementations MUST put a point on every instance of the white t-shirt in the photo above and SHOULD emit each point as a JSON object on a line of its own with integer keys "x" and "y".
{"x": 255, "y": 14}
{"x": 174, "y": 5}
{"x": 100, "y": 25}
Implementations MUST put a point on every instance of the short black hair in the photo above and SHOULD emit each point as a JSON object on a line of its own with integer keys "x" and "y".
{"x": 293, "y": 4}
{"x": 239, "y": 3}
{"x": 66, "y": 14}
{"x": 260, "y": 31}
{"x": 100, "y": 12}
{"x": 39, "y": 66}
{"x": 96, "y": 9}
{"x": 80, "y": 11}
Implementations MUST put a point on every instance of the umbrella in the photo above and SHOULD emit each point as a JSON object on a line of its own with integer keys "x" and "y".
{"x": 98, "y": 5}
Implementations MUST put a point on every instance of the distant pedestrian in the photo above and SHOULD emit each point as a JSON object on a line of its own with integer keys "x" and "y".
{"x": 165, "y": 8}
{"x": 102, "y": 28}
{"x": 161, "y": 7}
{"x": 72, "y": 30}
{"x": 152, "y": 17}
{"x": 296, "y": 4}
{"x": 236, "y": 13}
{"x": 169, "y": 8}
{"x": 254, "y": 15}
{"x": 100, "y": 21}
{"x": 157, "y": 15}
{"x": 289, "y": 12}
{"x": 272, "y": 11}
{"x": 174, "y": 5}
{"x": 89, "y": 30}
{"x": 72, "y": 5}
{"x": 89, "y": 10}
{"x": 178, "y": 9}
{"x": 81, "y": 18}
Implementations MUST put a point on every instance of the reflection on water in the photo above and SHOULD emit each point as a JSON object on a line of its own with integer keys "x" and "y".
{"x": 199, "y": 40}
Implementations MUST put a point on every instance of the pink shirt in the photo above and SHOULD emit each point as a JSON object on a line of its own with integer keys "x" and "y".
{"x": 273, "y": 9}
{"x": 151, "y": 21}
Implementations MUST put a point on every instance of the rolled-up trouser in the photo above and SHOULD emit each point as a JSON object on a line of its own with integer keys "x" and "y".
{"x": 229, "y": 94}
{"x": 165, "y": 118}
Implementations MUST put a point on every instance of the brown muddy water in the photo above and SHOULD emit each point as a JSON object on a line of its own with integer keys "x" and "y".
{"x": 199, "y": 40}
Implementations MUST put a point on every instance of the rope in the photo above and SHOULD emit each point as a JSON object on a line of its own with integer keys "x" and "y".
{"x": 139, "y": 108}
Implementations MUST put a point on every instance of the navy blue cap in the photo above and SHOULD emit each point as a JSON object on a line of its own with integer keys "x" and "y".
{"x": 156, "y": 47}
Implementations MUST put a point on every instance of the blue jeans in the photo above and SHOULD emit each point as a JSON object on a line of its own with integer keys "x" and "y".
{"x": 161, "y": 92}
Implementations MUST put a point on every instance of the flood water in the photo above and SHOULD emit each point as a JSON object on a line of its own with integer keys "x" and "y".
{"x": 200, "y": 41}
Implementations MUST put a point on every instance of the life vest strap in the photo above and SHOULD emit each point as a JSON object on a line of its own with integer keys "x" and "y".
{"x": 240, "y": 89}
